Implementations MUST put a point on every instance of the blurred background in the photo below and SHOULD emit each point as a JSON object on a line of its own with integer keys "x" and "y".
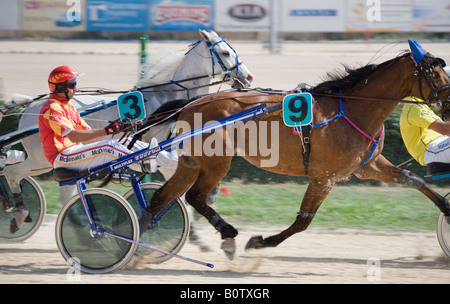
{"x": 268, "y": 21}
{"x": 290, "y": 32}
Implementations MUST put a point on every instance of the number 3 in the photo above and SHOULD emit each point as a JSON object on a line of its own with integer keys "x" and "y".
{"x": 134, "y": 107}
{"x": 131, "y": 106}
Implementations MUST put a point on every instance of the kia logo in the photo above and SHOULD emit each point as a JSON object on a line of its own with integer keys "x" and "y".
{"x": 247, "y": 12}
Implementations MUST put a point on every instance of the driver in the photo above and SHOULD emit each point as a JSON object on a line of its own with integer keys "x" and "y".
{"x": 62, "y": 131}
{"x": 426, "y": 135}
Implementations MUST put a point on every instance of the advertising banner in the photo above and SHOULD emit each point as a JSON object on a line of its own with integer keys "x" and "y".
{"x": 379, "y": 16}
{"x": 48, "y": 15}
{"x": 239, "y": 16}
{"x": 312, "y": 16}
{"x": 117, "y": 15}
{"x": 171, "y": 15}
{"x": 431, "y": 15}
{"x": 10, "y": 15}
{"x": 227, "y": 16}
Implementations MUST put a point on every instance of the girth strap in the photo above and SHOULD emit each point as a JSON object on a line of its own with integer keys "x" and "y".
{"x": 306, "y": 130}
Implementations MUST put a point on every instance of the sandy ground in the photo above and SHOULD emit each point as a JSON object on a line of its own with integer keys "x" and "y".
{"x": 25, "y": 65}
{"x": 314, "y": 256}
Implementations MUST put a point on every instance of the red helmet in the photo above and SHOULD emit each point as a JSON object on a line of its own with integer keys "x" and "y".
{"x": 61, "y": 75}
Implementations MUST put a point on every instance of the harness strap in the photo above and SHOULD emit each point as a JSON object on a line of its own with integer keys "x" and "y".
{"x": 374, "y": 148}
{"x": 308, "y": 128}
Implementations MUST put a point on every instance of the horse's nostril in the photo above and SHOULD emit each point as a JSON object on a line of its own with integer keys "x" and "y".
{"x": 249, "y": 78}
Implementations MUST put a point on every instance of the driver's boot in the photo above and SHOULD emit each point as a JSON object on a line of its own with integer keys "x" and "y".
{"x": 22, "y": 213}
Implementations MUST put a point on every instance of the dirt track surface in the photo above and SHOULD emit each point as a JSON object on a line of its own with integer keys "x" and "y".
{"x": 25, "y": 65}
{"x": 314, "y": 256}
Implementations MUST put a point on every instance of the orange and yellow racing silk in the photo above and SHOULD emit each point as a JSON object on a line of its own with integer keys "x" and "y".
{"x": 58, "y": 117}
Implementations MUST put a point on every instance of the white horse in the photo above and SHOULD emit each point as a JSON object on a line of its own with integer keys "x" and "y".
{"x": 179, "y": 76}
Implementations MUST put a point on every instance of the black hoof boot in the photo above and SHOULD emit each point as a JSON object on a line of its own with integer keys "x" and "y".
{"x": 255, "y": 242}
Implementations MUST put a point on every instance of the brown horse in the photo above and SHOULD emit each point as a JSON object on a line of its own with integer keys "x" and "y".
{"x": 347, "y": 138}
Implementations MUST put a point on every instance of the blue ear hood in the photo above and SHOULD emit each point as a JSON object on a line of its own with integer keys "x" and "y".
{"x": 416, "y": 50}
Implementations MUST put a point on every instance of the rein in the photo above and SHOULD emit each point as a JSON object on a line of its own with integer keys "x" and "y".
{"x": 214, "y": 56}
{"x": 365, "y": 98}
{"x": 425, "y": 69}
{"x": 163, "y": 116}
{"x": 175, "y": 82}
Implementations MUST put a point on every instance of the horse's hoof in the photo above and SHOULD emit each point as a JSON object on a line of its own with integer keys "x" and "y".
{"x": 229, "y": 247}
{"x": 255, "y": 242}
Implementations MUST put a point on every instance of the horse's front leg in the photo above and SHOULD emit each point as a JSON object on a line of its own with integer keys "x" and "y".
{"x": 381, "y": 169}
{"x": 315, "y": 194}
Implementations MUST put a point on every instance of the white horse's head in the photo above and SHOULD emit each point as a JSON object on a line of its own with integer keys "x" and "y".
{"x": 209, "y": 58}
{"x": 225, "y": 60}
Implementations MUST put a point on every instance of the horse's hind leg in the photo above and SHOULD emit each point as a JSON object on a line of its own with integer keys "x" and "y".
{"x": 185, "y": 174}
{"x": 381, "y": 169}
{"x": 315, "y": 194}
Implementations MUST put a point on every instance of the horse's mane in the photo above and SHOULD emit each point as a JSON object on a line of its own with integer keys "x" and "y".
{"x": 162, "y": 65}
{"x": 349, "y": 77}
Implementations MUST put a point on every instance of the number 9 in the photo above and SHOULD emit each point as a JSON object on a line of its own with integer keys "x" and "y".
{"x": 296, "y": 105}
{"x": 297, "y": 109}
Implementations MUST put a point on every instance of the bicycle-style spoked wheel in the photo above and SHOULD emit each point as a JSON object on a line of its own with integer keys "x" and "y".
{"x": 443, "y": 234}
{"x": 110, "y": 212}
{"x": 35, "y": 201}
{"x": 170, "y": 228}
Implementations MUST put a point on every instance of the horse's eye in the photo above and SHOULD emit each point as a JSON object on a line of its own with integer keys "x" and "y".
{"x": 226, "y": 53}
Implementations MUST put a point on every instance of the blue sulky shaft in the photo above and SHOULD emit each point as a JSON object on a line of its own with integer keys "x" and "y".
{"x": 168, "y": 145}
{"x": 219, "y": 124}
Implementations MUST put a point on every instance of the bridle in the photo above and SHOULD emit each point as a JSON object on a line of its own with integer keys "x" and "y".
{"x": 214, "y": 54}
{"x": 425, "y": 69}
{"x": 216, "y": 57}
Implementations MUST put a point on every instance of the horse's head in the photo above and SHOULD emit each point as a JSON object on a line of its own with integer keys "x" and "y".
{"x": 225, "y": 60}
{"x": 445, "y": 109}
{"x": 431, "y": 69}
